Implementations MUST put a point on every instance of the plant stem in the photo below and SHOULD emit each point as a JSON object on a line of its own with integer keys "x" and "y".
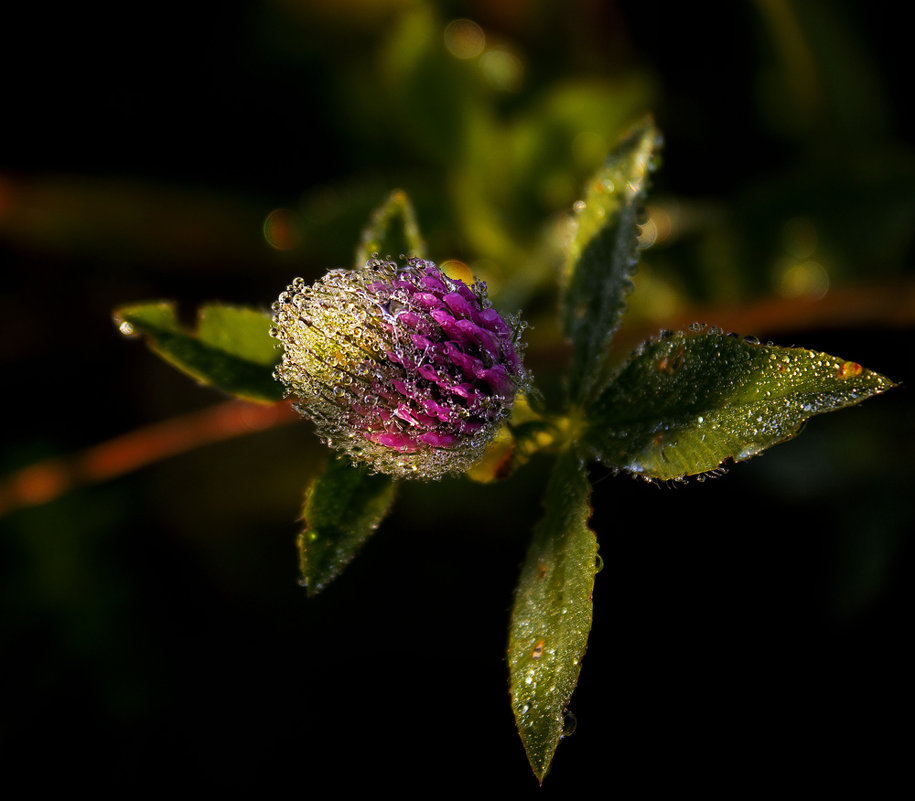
{"x": 48, "y": 479}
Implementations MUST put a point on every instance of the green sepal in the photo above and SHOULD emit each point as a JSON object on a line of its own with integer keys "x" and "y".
{"x": 685, "y": 403}
{"x": 343, "y": 507}
{"x": 551, "y": 617}
{"x": 230, "y": 349}
{"x": 602, "y": 254}
{"x": 391, "y": 231}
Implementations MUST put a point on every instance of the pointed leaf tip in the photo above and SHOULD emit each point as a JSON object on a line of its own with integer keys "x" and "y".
{"x": 551, "y": 617}
{"x": 686, "y": 403}
{"x": 343, "y": 507}
{"x": 230, "y": 349}
{"x": 602, "y": 253}
{"x": 391, "y": 231}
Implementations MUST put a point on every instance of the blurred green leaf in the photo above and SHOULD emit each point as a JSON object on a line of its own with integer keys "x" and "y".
{"x": 391, "y": 231}
{"x": 602, "y": 254}
{"x": 343, "y": 507}
{"x": 687, "y": 402}
{"x": 231, "y": 349}
{"x": 551, "y": 617}
{"x": 430, "y": 94}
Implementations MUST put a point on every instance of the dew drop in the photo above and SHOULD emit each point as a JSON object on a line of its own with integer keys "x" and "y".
{"x": 127, "y": 329}
{"x": 569, "y": 724}
{"x": 848, "y": 370}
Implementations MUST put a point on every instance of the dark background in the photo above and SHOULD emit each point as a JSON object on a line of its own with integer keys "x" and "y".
{"x": 749, "y": 630}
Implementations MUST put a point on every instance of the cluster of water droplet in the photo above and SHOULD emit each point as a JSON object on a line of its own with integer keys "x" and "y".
{"x": 704, "y": 397}
{"x": 398, "y": 365}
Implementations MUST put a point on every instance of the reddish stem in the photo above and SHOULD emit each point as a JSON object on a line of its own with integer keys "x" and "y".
{"x": 43, "y": 481}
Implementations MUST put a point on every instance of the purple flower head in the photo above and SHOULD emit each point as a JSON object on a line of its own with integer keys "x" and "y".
{"x": 399, "y": 366}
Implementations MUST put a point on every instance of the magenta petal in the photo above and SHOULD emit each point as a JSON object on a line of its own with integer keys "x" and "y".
{"x": 453, "y": 329}
{"x": 404, "y": 359}
{"x": 497, "y": 379}
{"x": 488, "y": 341}
{"x": 465, "y": 390}
{"x": 438, "y": 440}
{"x": 411, "y": 320}
{"x": 459, "y": 305}
{"x": 510, "y": 357}
{"x": 398, "y": 442}
{"x": 466, "y": 292}
{"x": 443, "y": 413}
{"x": 469, "y": 365}
{"x": 432, "y": 282}
{"x": 405, "y": 413}
{"x": 491, "y": 320}
{"x": 426, "y": 300}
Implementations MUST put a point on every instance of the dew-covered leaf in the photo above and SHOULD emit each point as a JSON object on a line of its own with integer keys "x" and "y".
{"x": 601, "y": 255}
{"x": 551, "y": 617}
{"x": 343, "y": 507}
{"x": 230, "y": 349}
{"x": 392, "y": 230}
{"x": 687, "y": 402}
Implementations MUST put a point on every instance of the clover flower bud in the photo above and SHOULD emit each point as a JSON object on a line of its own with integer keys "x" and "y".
{"x": 399, "y": 366}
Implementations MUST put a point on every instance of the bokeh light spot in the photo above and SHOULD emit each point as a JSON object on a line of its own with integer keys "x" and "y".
{"x": 464, "y": 38}
{"x": 503, "y": 69}
{"x": 455, "y": 268}
{"x": 648, "y": 234}
{"x": 808, "y": 279}
{"x": 281, "y": 231}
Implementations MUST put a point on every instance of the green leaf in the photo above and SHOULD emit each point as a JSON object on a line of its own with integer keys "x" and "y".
{"x": 343, "y": 506}
{"x": 391, "y": 231}
{"x": 685, "y": 403}
{"x": 551, "y": 617}
{"x": 602, "y": 255}
{"x": 231, "y": 349}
